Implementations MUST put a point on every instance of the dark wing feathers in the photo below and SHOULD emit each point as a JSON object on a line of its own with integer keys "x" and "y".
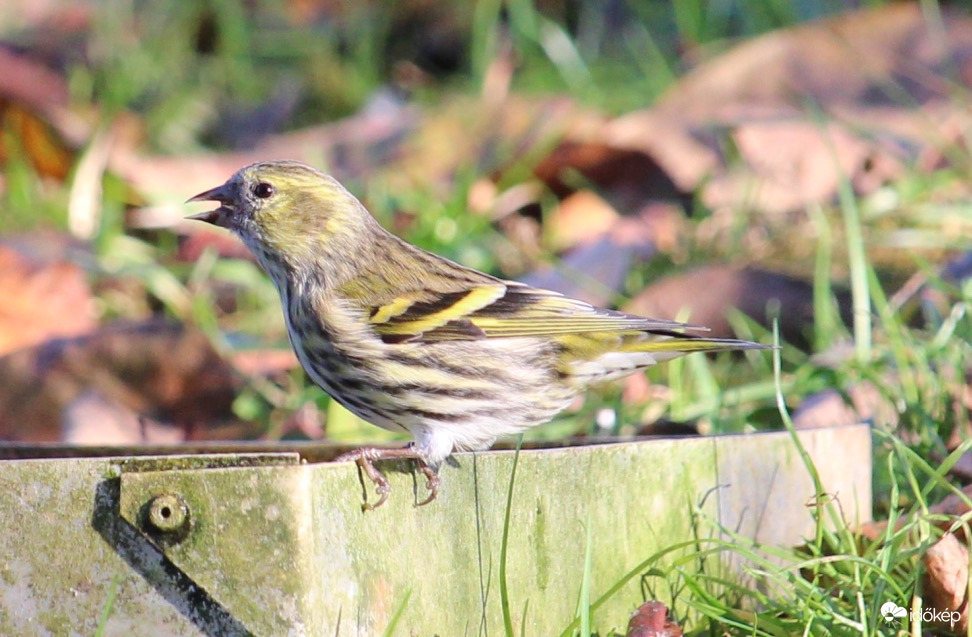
{"x": 500, "y": 310}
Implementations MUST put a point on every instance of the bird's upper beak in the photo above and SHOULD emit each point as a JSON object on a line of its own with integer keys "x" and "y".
{"x": 221, "y": 216}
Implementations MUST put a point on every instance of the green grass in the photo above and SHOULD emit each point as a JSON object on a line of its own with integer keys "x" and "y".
{"x": 835, "y": 584}
{"x": 504, "y": 546}
{"x": 397, "y": 615}
{"x": 109, "y": 604}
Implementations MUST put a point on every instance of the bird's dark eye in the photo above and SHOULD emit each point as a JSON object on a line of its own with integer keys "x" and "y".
{"x": 263, "y": 190}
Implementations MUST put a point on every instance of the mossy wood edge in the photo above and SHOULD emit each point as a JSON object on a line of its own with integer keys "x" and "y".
{"x": 264, "y": 544}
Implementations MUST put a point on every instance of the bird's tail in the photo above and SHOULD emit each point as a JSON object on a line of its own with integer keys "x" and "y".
{"x": 640, "y": 352}
{"x": 678, "y": 344}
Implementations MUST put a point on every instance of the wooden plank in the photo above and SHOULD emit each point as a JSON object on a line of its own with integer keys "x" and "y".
{"x": 282, "y": 547}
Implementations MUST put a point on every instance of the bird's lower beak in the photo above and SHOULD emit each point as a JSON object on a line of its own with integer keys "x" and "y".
{"x": 220, "y": 216}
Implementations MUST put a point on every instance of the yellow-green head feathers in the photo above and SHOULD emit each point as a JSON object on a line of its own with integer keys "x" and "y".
{"x": 287, "y": 212}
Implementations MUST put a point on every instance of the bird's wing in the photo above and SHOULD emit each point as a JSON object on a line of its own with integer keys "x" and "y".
{"x": 498, "y": 309}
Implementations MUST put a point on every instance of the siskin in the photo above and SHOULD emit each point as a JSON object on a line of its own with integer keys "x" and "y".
{"x": 413, "y": 342}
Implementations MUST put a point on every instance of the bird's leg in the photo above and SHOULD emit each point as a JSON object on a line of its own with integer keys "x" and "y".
{"x": 365, "y": 458}
{"x": 432, "y": 480}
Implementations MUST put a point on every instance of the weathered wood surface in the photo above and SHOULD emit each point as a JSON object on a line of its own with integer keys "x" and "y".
{"x": 274, "y": 546}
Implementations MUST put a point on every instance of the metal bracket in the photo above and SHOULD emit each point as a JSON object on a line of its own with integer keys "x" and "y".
{"x": 238, "y": 525}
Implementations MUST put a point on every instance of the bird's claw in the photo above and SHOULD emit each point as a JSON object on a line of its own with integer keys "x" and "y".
{"x": 382, "y": 489}
{"x": 364, "y": 458}
{"x": 431, "y": 483}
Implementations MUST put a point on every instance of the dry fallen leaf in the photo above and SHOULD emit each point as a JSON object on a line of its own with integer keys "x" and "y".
{"x": 861, "y": 57}
{"x": 829, "y": 408}
{"x": 44, "y": 298}
{"x": 789, "y": 163}
{"x": 946, "y": 583}
{"x": 35, "y": 117}
{"x": 756, "y": 293}
{"x": 160, "y": 371}
{"x": 947, "y": 512}
{"x": 580, "y": 218}
{"x": 651, "y": 620}
{"x": 607, "y": 246}
{"x": 857, "y": 96}
{"x": 93, "y": 419}
{"x": 629, "y": 179}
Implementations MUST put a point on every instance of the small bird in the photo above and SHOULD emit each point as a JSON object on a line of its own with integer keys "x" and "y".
{"x": 413, "y": 342}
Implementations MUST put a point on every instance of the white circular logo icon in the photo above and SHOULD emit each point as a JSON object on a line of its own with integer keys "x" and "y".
{"x": 891, "y": 612}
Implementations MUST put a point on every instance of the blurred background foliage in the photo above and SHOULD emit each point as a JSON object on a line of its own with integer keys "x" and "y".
{"x": 487, "y": 132}
{"x": 220, "y": 74}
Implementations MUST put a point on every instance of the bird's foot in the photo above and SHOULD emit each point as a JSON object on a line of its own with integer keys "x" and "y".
{"x": 432, "y": 481}
{"x": 365, "y": 458}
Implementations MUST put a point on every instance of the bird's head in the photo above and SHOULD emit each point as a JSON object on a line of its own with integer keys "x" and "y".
{"x": 286, "y": 211}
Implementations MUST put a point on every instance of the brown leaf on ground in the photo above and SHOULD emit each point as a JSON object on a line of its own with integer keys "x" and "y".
{"x": 580, "y": 217}
{"x": 856, "y": 57}
{"x": 606, "y": 246}
{"x": 35, "y": 117}
{"x": 953, "y": 507}
{"x": 962, "y": 469}
{"x": 708, "y": 294}
{"x": 93, "y": 419}
{"x": 946, "y": 582}
{"x": 44, "y": 297}
{"x": 163, "y": 372}
{"x": 33, "y": 139}
{"x": 593, "y": 272}
{"x": 627, "y": 178}
{"x": 651, "y": 620}
{"x": 494, "y": 135}
{"x": 788, "y": 164}
{"x": 30, "y": 83}
{"x": 856, "y": 96}
{"x": 862, "y": 402}
{"x": 670, "y": 142}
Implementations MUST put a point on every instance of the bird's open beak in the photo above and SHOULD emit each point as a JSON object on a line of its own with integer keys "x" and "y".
{"x": 221, "y": 216}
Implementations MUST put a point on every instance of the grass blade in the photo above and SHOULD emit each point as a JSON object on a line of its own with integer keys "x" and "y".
{"x": 504, "y": 591}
